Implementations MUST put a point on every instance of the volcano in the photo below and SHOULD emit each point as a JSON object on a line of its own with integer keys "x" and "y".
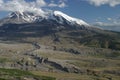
{"x": 57, "y": 26}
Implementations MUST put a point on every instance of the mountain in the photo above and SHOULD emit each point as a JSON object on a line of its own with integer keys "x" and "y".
{"x": 29, "y": 17}
{"x": 59, "y": 44}
{"x": 57, "y": 27}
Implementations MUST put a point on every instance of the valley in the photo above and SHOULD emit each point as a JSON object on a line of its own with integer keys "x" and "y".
{"x": 61, "y": 62}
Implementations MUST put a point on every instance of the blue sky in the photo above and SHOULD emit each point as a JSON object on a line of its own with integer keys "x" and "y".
{"x": 100, "y": 12}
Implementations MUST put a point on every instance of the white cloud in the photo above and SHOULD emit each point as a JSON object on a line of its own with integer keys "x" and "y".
{"x": 104, "y": 24}
{"x": 112, "y": 3}
{"x": 60, "y": 4}
{"x": 1, "y": 1}
{"x": 108, "y": 26}
{"x": 33, "y": 6}
{"x": 109, "y": 19}
{"x": 110, "y": 22}
{"x": 41, "y": 3}
{"x": 53, "y": 4}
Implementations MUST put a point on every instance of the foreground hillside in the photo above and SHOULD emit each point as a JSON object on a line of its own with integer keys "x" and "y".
{"x": 13, "y": 74}
{"x": 62, "y": 65}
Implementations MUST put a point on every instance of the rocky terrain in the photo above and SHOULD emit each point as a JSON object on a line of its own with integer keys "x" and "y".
{"x": 48, "y": 47}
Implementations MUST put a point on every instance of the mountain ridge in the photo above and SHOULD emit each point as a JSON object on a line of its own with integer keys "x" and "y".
{"x": 30, "y": 17}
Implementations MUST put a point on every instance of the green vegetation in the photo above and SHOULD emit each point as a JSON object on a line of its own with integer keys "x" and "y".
{"x": 9, "y": 74}
{"x": 2, "y": 60}
{"x": 73, "y": 76}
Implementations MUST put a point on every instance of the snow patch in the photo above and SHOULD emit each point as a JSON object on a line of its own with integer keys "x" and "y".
{"x": 70, "y": 19}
